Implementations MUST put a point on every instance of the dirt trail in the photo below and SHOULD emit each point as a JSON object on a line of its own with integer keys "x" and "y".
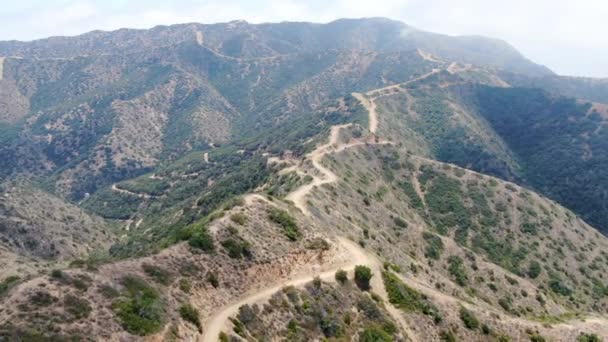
{"x": 327, "y": 176}
{"x": 368, "y": 100}
{"x": 428, "y": 56}
{"x": 370, "y": 106}
{"x": 355, "y": 256}
{"x": 199, "y": 38}
{"x": 117, "y": 189}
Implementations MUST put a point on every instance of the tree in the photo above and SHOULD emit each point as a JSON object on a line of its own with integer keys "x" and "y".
{"x": 469, "y": 319}
{"x": 534, "y": 269}
{"x": 341, "y": 276}
{"x": 363, "y": 274}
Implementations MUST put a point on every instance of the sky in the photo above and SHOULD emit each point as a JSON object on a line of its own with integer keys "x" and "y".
{"x": 568, "y": 36}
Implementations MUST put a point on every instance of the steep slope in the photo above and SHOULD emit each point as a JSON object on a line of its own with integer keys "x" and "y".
{"x": 39, "y": 230}
{"x": 472, "y": 118}
{"x": 590, "y": 89}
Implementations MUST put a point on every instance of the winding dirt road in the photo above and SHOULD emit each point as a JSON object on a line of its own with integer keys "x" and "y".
{"x": 355, "y": 256}
{"x": 136, "y": 194}
{"x": 219, "y": 321}
{"x": 327, "y": 176}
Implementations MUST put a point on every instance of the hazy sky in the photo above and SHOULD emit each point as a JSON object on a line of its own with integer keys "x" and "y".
{"x": 568, "y": 36}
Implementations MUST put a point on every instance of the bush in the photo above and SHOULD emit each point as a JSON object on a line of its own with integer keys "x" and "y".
{"x": 536, "y": 337}
{"x": 434, "y": 246}
{"x": 457, "y": 270}
{"x": 213, "y": 279}
{"x": 558, "y": 287}
{"x": 447, "y": 336}
{"x": 318, "y": 244}
{"x": 238, "y": 218}
{"x": 237, "y": 248}
{"x": 588, "y": 338}
{"x": 399, "y": 222}
{"x": 42, "y": 298}
{"x": 190, "y": 314}
{"x": 141, "y": 310}
{"x": 77, "y": 308}
{"x": 534, "y": 269}
{"x": 341, "y": 276}
{"x": 159, "y": 274}
{"x": 375, "y": 334}
{"x": 108, "y": 291}
{"x": 407, "y": 298}
{"x": 7, "y": 284}
{"x": 282, "y": 218}
{"x": 201, "y": 239}
{"x": 184, "y": 285}
{"x": 468, "y": 318}
{"x": 505, "y": 303}
{"x": 363, "y": 275}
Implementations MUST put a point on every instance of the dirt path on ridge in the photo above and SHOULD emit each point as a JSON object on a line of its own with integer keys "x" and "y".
{"x": 356, "y": 256}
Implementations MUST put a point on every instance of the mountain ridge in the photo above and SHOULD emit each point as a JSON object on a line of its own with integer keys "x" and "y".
{"x": 247, "y": 158}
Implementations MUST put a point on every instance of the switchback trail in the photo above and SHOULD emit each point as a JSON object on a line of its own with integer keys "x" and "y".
{"x": 357, "y": 256}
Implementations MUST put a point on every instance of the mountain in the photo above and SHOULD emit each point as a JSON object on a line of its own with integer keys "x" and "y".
{"x": 356, "y": 180}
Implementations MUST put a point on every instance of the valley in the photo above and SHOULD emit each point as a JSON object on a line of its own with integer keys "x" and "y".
{"x": 298, "y": 181}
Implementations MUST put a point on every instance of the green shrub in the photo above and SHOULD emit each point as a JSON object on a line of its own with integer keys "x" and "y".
{"x": 318, "y": 244}
{"x": 190, "y": 314}
{"x": 588, "y": 338}
{"x": 341, "y": 276}
{"x": 534, "y": 269}
{"x": 457, "y": 270}
{"x": 239, "y": 218}
{"x": 77, "y": 308}
{"x": 399, "y": 222}
{"x": 363, "y": 275}
{"x": 108, "y": 291}
{"x": 434, "y": 246}
{"x": 375, "y": 334}
{"x": 407, "y": 298}
{"x": 237, "y": 248}
{"x": 159, "y": 274}
{"x": 485, "y": 329}
{"x": 7, "y": 284}
{"x": 201, "y": 239}
{"x": 184, "y": 285}
{"x": 447, "y": 336}
{"x": 468, "y": 318}
{"x": 140, "y": 309}
{"x": 213, "y": 279}
{"x": 506, "y": 303}
{"x": 536, "y": 337}
{"x": 42, "y": 298}
{"x": 282, "y": 218}
{"x": 410, "y": 191}
{"x": 558, "y": 287}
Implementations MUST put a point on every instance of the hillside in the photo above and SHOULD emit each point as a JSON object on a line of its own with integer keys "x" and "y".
{"x": 356, "y": 180}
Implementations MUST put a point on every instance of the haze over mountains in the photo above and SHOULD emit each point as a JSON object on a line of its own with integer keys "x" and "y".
{"x": 190, "y": 163}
